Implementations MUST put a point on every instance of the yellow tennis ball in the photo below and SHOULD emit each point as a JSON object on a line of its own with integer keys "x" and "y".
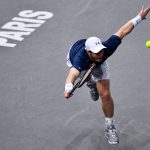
{"x": 148, "y": 44}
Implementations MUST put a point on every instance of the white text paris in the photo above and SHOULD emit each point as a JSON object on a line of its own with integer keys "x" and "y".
{"x": 23, "y": 25}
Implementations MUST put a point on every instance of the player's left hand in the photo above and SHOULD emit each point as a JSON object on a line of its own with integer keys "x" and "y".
{"x": 144, "y": 11}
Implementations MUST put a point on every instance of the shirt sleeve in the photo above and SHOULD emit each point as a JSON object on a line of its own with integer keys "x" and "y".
{"x": 77, "y": 63}
{"x": 81, "y": 62}
{"x": 111, "y": 45}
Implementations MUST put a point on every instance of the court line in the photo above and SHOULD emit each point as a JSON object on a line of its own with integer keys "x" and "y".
{"x": 126, "y": 126}
{"x": 75, "y": 115}
{"x": 87, "y": 4}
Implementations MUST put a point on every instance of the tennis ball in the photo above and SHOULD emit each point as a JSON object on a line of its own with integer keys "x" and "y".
{"x": 148, "y": 44}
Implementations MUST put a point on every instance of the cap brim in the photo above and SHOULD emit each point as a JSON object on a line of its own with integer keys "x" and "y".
{"x": 98, "y": 48}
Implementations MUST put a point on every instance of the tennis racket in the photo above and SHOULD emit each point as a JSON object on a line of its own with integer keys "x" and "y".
{"x": 82, "y": 79}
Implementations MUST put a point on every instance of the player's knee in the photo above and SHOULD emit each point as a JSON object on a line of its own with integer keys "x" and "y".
{"x": 105, "y": 96}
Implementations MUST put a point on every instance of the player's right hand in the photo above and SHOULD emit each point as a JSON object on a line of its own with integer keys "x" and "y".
{"x": 67, "y": 94}
{"x": 68, "y": 88}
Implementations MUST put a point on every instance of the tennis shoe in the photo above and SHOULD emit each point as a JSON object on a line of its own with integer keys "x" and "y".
{"x": 111, "y": 134}
{"x": 93, "y": 90}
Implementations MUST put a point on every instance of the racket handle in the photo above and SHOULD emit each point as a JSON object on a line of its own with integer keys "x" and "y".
{"x": 71, "y": 92}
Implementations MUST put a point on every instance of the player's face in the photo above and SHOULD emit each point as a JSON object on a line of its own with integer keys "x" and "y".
{"x": 97, "y": 57}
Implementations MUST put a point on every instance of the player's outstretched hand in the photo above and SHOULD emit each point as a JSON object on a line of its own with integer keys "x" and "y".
{"x": 144, "y": 11}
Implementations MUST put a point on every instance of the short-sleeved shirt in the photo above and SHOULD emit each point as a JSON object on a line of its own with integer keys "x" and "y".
{"x": 79, "y": 57}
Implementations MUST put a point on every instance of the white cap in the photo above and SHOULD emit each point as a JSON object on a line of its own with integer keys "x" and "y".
{"x": 94, "y": 44}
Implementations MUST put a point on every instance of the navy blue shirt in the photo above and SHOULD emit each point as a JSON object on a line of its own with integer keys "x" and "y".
{"x": 79, "y": 57}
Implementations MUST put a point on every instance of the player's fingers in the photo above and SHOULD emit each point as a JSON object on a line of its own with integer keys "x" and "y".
{"x": 142, "y": 8}
{"x": 147, "y": 10}
{"x": 144, "y": 12}
{"x": 70, "y": 94}
{"x": 141, "y": 11}
{"x": 67, "y": 95}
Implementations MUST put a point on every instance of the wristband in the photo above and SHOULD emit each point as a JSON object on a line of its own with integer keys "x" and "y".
{"x": 68, "y": 87}
{"x": 136, "y": 20}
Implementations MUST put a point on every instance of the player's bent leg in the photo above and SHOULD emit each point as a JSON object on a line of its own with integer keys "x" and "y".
{"x": 99, "y": 73}
{"x": 91, "y": 84}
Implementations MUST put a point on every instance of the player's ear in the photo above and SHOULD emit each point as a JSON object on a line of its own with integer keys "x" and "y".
{"x": 89, "y": 52}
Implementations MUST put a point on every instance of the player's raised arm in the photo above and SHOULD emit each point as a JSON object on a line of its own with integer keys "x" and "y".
{"x": 129, "y": 26}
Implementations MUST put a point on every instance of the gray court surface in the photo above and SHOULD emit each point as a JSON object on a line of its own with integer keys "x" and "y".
{"x": 34, "y": 115}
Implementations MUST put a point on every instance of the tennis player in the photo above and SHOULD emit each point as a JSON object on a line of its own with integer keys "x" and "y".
{"x": 86, "y": 51}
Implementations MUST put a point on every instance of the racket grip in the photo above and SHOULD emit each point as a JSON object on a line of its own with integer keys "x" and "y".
{"x": 71, "y": 92}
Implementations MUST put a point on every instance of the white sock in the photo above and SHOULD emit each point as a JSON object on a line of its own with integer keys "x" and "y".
{"x": 109, "y": 120}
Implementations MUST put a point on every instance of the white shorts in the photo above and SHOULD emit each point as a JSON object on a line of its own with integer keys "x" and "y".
{"x": 99, "y": 73}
